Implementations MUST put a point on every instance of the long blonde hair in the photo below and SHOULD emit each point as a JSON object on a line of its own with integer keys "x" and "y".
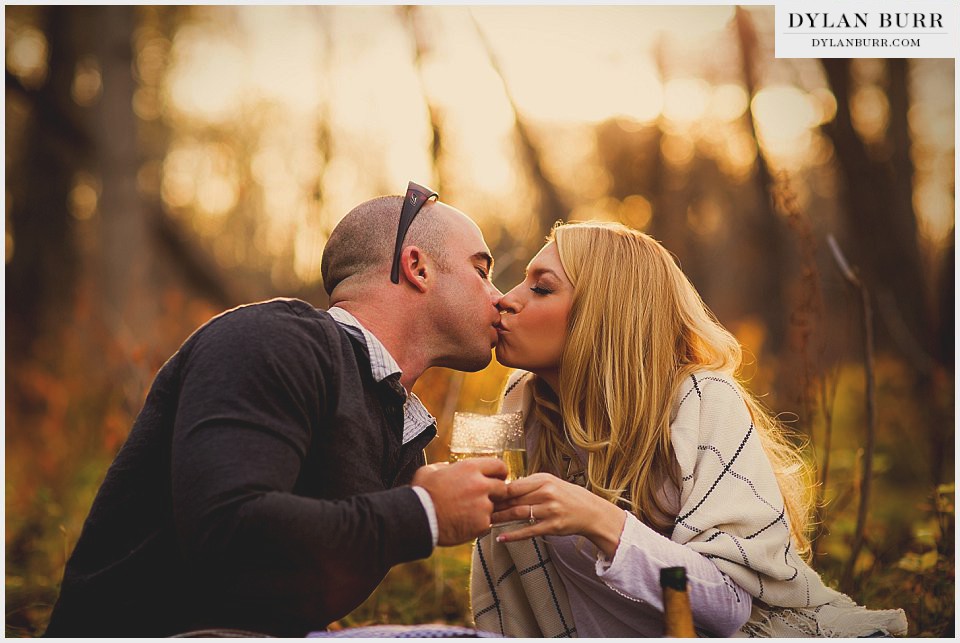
{"x": 637, "y": 330}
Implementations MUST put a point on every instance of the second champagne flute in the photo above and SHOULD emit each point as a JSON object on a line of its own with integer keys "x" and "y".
{"x": 514, "y": 445}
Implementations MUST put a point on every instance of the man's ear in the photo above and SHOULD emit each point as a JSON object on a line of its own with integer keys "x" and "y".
{"x": 416, "y": 268}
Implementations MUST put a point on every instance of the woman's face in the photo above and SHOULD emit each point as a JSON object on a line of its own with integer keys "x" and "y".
{"x": 534, "y": 316}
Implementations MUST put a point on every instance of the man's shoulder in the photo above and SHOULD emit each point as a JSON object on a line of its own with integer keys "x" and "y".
{"x": 276, "y": 311}
{"x": 278, "y": 306}
{"x": 277, "y": 322}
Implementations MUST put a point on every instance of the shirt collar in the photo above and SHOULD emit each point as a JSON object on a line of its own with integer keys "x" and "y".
{"x": 416, "y": 418}
{"x": 382, "y": 364}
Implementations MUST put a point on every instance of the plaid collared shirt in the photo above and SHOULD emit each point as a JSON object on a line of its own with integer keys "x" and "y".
{"x": 416, "y": 417}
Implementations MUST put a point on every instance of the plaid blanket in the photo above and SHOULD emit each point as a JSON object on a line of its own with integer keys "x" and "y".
{"x": 505, "y": 575}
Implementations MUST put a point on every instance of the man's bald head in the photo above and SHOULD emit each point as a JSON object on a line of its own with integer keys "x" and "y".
{"x": 361, "y": 246}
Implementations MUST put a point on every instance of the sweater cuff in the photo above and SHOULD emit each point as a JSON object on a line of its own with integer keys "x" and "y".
{"x": 604, "y": 563}
{"x": 405, "y": 524}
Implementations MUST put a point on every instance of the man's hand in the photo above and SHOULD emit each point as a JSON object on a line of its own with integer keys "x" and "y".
{"x": 463, "y": 495}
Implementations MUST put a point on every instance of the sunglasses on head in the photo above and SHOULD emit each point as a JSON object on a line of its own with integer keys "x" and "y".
{"x": 416, "y": 196}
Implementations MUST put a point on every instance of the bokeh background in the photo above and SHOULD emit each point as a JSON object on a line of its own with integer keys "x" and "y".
{"x": 166, "y": 163}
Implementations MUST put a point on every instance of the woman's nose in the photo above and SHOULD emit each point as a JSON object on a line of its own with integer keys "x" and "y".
{"x": 508, "y": 303}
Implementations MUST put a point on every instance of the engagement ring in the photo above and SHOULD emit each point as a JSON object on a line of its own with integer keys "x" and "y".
{"x": 532, "y": 519}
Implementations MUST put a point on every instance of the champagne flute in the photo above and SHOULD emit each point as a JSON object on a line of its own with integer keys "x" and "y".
{"x": 499, "y": 436}
{"x": 476, "y": 436}
{"x": 490, "y": 436}
{"x": 514, "y": 446}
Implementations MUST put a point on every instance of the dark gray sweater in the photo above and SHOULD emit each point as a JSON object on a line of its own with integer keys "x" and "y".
{"x": 259, "y": 488}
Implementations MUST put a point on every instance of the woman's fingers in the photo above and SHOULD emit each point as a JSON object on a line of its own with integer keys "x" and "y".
{"x": 520, "y": 512}
{"x": 535, "y": 497}
{"x": 559, "y": 508}
{"x": 528, "y": 484}
{"x": 529, "y": 531}
{"x": 540, "y": 514}
{"x": 502, "y": 505}
{"x": 540, "y": 487}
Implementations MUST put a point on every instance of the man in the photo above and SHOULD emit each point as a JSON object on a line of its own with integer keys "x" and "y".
{"x": 275, "y": 472}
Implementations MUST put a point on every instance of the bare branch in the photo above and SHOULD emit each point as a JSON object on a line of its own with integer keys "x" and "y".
{"x": 846, "y": 581}
{"x": 842, "y": 261}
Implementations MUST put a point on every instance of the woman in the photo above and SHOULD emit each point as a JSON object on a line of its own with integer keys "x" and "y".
{"x": 644, "y": 452}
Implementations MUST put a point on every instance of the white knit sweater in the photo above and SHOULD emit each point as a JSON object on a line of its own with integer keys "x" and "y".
{"x": 731, "y": 534}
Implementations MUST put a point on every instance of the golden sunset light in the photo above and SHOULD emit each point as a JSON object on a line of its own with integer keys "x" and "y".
{"x": 167, "y": 163}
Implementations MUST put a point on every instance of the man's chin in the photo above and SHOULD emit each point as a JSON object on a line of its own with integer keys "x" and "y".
{"x": 471, "y": 363}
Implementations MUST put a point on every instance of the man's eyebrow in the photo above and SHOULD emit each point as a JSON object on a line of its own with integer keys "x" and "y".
{"x": 484, "y": 256}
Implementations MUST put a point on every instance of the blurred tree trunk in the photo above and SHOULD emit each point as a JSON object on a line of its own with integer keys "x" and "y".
{"x": 764, "y": 233}
{"x": 139, "y": 251}
{"x": 669, "y": 199}
{"x": 946, "y": 296}
{"x": 125, "y": 256}
{"x": 42, "y": 272}
{"x": 63, "y": 140}
{"x": 668, "y": 223}
{"x": 881, "y": 227}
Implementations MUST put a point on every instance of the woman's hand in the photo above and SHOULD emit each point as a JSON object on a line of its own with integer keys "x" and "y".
{"x": 559, "y": 508}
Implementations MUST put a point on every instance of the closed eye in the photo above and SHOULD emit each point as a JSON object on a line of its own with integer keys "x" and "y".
{"x": 541, "y": 291}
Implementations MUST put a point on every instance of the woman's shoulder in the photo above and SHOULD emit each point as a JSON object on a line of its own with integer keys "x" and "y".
{"x": 710, "y": 384}
{"x": 517, "y": 378}
{"x": 702, "y": 392}
{"x": 707, "y": 404}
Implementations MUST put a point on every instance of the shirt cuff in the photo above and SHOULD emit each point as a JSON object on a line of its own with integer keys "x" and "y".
{"x": 430, "y": 510}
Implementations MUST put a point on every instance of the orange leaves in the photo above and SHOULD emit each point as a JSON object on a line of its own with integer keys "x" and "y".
{"x": 115, "y": 428}
{"x": 69, "y": 407}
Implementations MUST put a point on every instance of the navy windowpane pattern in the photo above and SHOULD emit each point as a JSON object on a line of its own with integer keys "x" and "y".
{"x": 406, "y": 632}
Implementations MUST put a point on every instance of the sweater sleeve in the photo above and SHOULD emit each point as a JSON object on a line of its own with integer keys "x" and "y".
{"x": 719, "y": 605}
{"x": 254, "y": 389}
